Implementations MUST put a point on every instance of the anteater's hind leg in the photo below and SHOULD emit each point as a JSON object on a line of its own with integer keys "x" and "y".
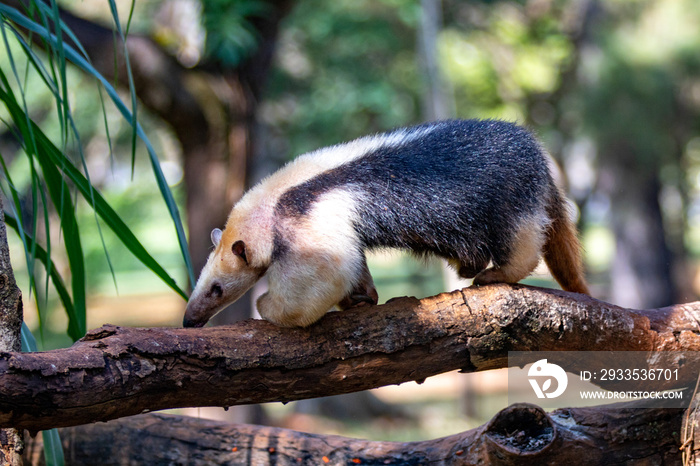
{"x": 523, "y": 258}
{"x": 363, "y": 292}
{"x": 468, "y": 269}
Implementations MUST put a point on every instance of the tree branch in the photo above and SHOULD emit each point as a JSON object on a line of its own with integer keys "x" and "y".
{"x": 519, "y": 434}
{"x": 11, "y": 440}
{"x": 115, "y": 371}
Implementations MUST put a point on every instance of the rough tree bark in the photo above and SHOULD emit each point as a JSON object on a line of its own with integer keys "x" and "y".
{"x": 11, "y": 441}
{"x": 115, "y": 372}
{"x": 520, "y": 434}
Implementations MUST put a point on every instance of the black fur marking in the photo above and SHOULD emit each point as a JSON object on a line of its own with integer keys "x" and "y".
{"x": 297, "y": 201}
{"x": 456, "y": 192}
{"x": 280, "y": 245}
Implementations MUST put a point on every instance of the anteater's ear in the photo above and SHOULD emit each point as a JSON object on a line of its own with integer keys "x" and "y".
{"x": 215, "y": 236}
{"x": 238, "y": 249}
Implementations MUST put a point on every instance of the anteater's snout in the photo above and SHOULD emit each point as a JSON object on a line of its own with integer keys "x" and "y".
{"x": 192, "y": 323}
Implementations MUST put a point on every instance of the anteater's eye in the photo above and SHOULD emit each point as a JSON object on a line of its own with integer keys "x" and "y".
{"x": 216, "y": 291}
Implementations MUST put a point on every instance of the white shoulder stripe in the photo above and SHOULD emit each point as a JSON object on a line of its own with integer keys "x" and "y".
{"x": 334, "y": 156}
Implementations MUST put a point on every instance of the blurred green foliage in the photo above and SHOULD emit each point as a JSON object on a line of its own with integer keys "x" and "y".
{"x": 231, "y": 36}
{"x": 345, "y": 69}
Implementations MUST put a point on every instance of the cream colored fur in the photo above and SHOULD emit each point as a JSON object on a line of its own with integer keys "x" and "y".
{"x": 321, "y": 267}
{"x": 525, "y": 253}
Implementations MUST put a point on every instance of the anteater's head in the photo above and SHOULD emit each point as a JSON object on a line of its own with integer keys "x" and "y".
{"x": 230, "y": 272}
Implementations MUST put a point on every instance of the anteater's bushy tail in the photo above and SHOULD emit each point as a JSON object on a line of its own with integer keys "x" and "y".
{"x": 562, "y": 249}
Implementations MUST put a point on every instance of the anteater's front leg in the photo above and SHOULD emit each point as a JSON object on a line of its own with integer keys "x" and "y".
{"x": 304, "y": 285}
{"x": 363, "y": 292}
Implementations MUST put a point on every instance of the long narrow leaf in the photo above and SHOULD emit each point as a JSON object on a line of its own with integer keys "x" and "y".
{"x": 132, "y": 89}
{"x": 29, "y": 141}
{"x": 109, "y": 216}
{"x": 60, "y": 197}
{"x": 51, "y": 269}
{"x": 36, "y": 62}
{"x": 29, "y": 245}
{"x": 60, "y": 101}
{"x": 16, "y": 205}
{"x": 36, "y": 143}
{"x": 79, "y": 61}
{"x": 53, "y": 450}
{"x": 47, "y": 10}
{"x": 50, "y": 155}
{"x": 37, "y": 192}
{"x": 28, "y": 340}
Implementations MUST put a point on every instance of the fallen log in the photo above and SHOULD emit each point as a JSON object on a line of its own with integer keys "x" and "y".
{"x": 520, "y": 434}
{"x": 115, "y": 372}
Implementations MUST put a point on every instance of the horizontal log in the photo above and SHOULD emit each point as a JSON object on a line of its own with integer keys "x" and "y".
{"x": 115, "y": 371}
{"x": 520, "y": 434}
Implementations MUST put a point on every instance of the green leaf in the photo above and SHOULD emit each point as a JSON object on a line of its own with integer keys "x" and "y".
{"x": 28, "y": 340}
{"x": 60, "y": 197}
{"x": 132, "y": 91}
{"x": 53, "y": 450}
{"x": 50, "y": 156}
{"x": 60, "y": 102}
{"x": 42, "y": 256}
{"x": 59, "y": 193}
{"x": 84, "y": 64}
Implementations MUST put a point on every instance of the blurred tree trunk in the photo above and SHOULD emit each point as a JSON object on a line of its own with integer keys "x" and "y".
{"x": 630, "y": 113}
{"x": 11, "y": 440}
{"x": 642, "y": 269}
{"x": 438, "y": 100}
